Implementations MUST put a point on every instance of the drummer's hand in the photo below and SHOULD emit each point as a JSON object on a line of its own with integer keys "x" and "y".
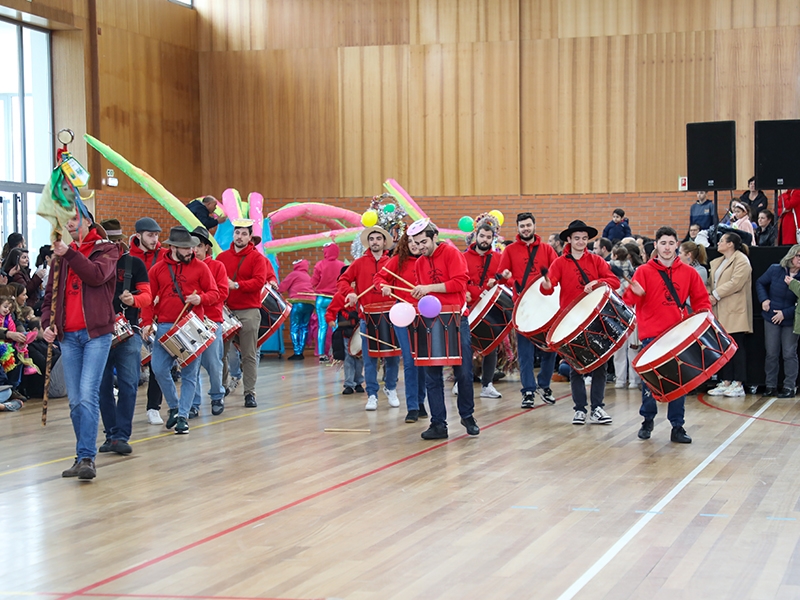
{"x": 491, "y": 283}
{"x": 147, "y": 331}
{"x": 50, "y": 334}
{"x": 126, "y": 298}
{"x": 589, "y": 286}
{"x": 506, "y": 274}
{"x": 194, "y": 299}
{"x": 386, "y": 291}
{"x": 546, "y": 285}
{"x": 469, "y": 298}
{"x": 231, "y": 284}
{"x": 351, "y": 299}
{"x": 419, "y": 291}
{"x": 765, "y": 305}
{"x": 273, "y": 284}
{"x": 777, "y": 317}
{"x": 636, "y": 288}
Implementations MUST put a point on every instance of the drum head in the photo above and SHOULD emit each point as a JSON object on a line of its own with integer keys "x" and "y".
{"x": 476, "y": 312}
{"x": 671, "y": 339}
{"x": 534, "y": 309}
{"x": 573, "y": 320}
{"x": 355, "y": 344}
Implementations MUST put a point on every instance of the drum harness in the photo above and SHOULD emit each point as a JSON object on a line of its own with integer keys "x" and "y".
{"x": 126, "y": 287}
{"x": 528, "y": 267}
{"x": 672, "y": 292}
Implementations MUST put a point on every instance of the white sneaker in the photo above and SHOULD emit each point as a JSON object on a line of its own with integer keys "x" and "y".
{"x": 579, "y": 418}
{"x": 372, "y": 403}
{"x": 633, "y": 386}
{"x": 394, "y": 401}
{"x": 719, "y": 390}
{"x": 598, "y": 415}
{"x": 620, "y": 385}
{"x": 455, "y": 390}
{"x": 153, "y": 417}
{"x": 735, "y": 390}
{"x": 489, "y": 392}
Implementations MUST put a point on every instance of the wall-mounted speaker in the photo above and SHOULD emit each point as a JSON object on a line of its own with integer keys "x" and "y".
{"x": 777, "y": 155}
{"x": 711, "y": 155}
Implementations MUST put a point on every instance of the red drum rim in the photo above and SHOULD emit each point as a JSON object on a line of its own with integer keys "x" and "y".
{"x": 276, "y": 325}
{"x": 529, "y": 334}
{"x": 493, "y": 295}
{"x": 378, "y": 307}
{"x": 496, "y": 292}
{"x": 709, "y": 319}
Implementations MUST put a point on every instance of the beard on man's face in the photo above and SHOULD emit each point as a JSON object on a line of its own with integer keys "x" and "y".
{"x": 185, "y": 259}
{"x": 526, "y": 237}
{"x": 483, "y": 246}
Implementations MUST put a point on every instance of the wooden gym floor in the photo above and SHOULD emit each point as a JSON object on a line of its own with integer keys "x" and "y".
{"x": 261, "y": 503}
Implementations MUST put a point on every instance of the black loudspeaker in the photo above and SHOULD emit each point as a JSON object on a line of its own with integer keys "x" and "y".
{"x": 711, "y": 155}
{"x": 777, "y": 155}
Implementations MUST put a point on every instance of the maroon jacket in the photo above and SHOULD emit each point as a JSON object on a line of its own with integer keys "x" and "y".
{"x": 98, "y": 275}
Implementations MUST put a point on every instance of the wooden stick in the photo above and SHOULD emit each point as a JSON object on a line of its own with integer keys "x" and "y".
{"x": 185, "y": 306}
{"x": 396, "y": 276}
{"x": 397, "y": 287}
{"x": 308, "y": 294}
{"x": 48, "y": 361}
{"x": 393, "y": 295}
{"x": 369, "y": 337}
{"x": 347, "y": 431}
{"x": 369, "y": 289}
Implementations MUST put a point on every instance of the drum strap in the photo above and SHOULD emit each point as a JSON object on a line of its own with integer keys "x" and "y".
{"x": 126, "y": 285}
{"x": 175, "y": 285}
{"x": 236, "y": 272}
{"x": 584, "y": 276}
{"x": 528, "y": 267}
{"x": 671, "y": 289}
{"x": 486, "y": 263}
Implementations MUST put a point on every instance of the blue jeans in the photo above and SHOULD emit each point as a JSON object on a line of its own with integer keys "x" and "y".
{"x": 211, "y": 361}
{"x": 234, "y": 362}
{"x": 322, "y": 305}
{"x": 84, "y": 360}
{"x": 301, "y": 313}
{"x": 161, "y": 363}
{"x": 434, "y": 382}
{"x": 525, "y": 353}
{"x": 126, "y": 359}
{"x": 353, "y": 371}
{"x": 371, "y": 367}
{"x": 414, "y": 375}
{"x": 676, "y": 409}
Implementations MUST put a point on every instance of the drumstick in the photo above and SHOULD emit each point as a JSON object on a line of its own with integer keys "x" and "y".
{"x": 369, "y": 337}
{"x": 393, "y": 295}
{"x": 369, "y": 289}
{"x": 185, "y": 306}
{"x": 396, "y": 276}
{"x": 397, "y": 287}
{"x": 309, "y": 294}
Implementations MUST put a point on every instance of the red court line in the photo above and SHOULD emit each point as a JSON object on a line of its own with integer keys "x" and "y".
{"x": 730, "y": 412}
{"x": 88, "y": 588}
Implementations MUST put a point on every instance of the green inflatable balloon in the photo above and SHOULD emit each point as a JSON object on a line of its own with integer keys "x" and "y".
{"x": 389, "y": 208}
{"x": 466, "y": 224}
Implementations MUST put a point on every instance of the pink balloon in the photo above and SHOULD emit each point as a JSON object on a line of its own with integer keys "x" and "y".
{"x": 402, "y": 314}
{"x": 430, "y": 306}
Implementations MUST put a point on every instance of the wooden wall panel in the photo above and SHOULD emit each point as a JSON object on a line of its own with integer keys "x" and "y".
{"x": 538, "y": 19}
{"x": 539, "y": 114}
{"x": 373, "y": 23}
{"x": 373, "y": 112}
{"x": 454, "y": 21}
{"x": 464, "y": 119}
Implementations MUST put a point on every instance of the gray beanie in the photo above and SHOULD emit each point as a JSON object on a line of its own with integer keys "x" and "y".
{"x": 147, "y": 224}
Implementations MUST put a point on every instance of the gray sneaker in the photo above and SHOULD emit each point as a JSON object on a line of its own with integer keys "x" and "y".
{"x": 579, "y": 418}
{"x": 600, "y": 416}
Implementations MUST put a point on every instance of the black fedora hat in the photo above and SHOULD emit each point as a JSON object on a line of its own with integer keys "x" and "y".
{"x": 180, "y": 237}
{"x": 202, "y": 234}
{"x": 575, "y": 226}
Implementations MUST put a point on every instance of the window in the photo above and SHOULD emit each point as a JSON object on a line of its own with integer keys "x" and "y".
{"x": 184, "y": 2}
{"x": 26, "y": 129}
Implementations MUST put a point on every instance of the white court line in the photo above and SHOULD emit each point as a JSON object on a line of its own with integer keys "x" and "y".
{"x": 629, "y": 535}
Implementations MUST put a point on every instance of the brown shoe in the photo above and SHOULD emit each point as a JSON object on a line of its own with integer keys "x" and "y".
{"x": 73, "y": 470}
{"x": 86, "y": 469}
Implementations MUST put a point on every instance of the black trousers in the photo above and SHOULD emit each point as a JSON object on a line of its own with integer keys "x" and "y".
{"x": 153, "y": 393}
{"x": 736, "y": 368}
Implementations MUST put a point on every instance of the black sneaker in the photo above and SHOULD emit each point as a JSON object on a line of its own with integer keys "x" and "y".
{"x": 498, "y": 375}
{"x": 86, "y": 469}
{"x": 106, "y": 447}
{"x": 787, "y": 393}
{"x": 194, "y": 412}
{"x": 172, "y": 418}
{"x": 347, "y": 391}
{"x": 770, "y": 391}
{"x": 324, "y": 359}
{"x": 646, "y": 429}
{"x": 547, "y": 395}
{"x": 528, "y": 400}
{"x": 471, "y": 425}
{"x": 296, "y": 357}
{"x": 121, "y": 447}
{"x": 359, "y": 388}
{"x": 435, "y": 432}
{"x": 422, "y": 413}
{"x": 679, "y": 436}
{"x": 217, "y": 406}
{"x": 182, "y": 426}
{"x": 412, "y": 416}
{"x": 72, "y": 471}
{"x": 250, "y": 401}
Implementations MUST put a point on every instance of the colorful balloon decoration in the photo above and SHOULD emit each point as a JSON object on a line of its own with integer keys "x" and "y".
{"x": 466, "y": 224}
{"x": 430, "y": 306}
{"x": 402, "y": 314}
{"x": 369, "y": 218}
{"x": 498, "y": 215}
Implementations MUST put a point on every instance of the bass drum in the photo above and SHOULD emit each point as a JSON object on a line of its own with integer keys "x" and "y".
{"x": 535, "y": 313}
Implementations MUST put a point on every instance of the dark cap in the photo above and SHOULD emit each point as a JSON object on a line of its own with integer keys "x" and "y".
{"x": 113, "y": 230}
{"x": 147, "y": 224}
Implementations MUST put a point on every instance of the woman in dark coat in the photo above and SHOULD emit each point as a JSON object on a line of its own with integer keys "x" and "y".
{"x": 17, "y": 265}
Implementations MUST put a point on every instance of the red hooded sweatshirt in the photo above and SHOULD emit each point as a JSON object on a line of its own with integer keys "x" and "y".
{"x": 362, "y": 271}
{"x": 515, "y": 259}
{"x": 446, "y": 265}
{"x": 251, "y": 270}
{"x": 297, "y": 284}
{"x": 408, "y": 272}
{"x": 657, "y": 311}
{"x": 565, "y": 273}
{"x": 192, "y": 277}
{"x": 790, "y": 211}
{"x": 149, "y": 257}
{"x": 327, "y": 271}
{"x": 480, "y": 269}
{"x": 220, "y": 275}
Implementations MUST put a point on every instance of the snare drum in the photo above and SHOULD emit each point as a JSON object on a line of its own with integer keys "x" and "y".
{"x": 230, "y": 323}
{"x": 274, "y": 311}
{"x": 122, "y": 330}
{"x": 187, "y": 338}
{"x": 684, "y": 356}
{"x": 491, "y": 319}
{"x": 591, "y": 329}
{"x": 380, "y": 328}
{"x": 438, "y": 340}
{"x": 354, "y": 345}
{"x": 535, "y": 313}
{"x": 147, "y": 349}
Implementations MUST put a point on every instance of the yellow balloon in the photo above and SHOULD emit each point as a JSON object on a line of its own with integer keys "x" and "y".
{"x": 498, "y": 215}
{"x": 369, "y": 218}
